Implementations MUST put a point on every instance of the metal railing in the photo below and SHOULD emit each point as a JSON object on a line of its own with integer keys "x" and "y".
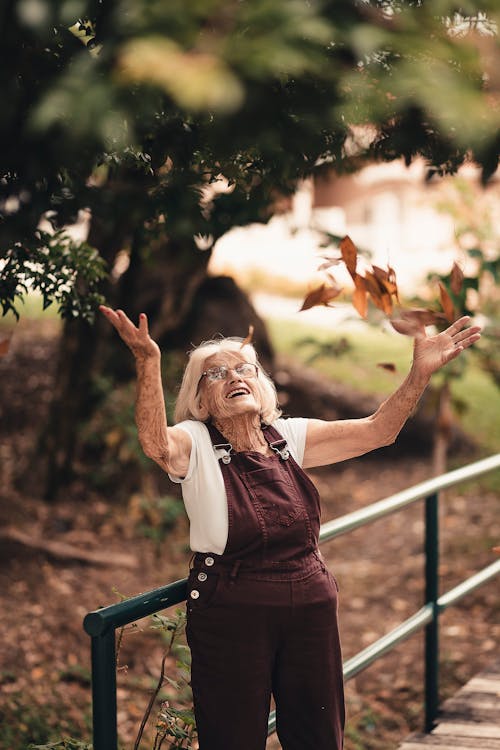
{"x": 102, "y": 623}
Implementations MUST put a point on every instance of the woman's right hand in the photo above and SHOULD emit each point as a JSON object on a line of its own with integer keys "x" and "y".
{"x": 136, "y": 338}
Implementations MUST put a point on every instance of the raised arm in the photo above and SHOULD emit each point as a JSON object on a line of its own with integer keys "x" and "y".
{"x": 330, "y": 442}
{"x": 169, "y": 446}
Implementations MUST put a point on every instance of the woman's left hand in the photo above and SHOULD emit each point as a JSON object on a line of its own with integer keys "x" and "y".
{"x": 432, "y": 352}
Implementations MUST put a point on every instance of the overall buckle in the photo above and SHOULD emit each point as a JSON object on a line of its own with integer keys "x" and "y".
{"x": 280, "y": 447}
{"x": 226, "y": 455}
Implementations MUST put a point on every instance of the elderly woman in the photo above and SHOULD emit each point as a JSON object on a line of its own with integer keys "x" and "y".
{"x": 262, "y": 607}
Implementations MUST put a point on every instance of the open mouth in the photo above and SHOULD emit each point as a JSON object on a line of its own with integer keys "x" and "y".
{"x": 238, "y": 392}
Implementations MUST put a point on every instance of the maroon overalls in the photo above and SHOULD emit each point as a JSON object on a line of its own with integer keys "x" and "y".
{"x": 262, "y": 617}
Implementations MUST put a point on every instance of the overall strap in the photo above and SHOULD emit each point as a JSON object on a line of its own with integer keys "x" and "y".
{"x": 276, "y": 442}
{"x": 223, "y": 449}
{"x": 220, "y": 445}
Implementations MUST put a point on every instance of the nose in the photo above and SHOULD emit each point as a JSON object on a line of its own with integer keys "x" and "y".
{"x": 233, "y": 375}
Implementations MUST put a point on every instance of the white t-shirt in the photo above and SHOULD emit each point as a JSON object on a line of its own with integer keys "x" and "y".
{"x": 203, "y": 488}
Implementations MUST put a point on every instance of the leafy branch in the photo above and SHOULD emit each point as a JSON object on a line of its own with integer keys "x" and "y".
{"x": 59, "y": 268}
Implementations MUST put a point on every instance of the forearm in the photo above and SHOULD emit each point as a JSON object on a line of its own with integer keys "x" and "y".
{"x": 150, "y": 414}
{"x": 392, "y": 414}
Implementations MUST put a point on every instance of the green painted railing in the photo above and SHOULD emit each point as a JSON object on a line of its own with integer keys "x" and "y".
{"x": 102, "y": 623}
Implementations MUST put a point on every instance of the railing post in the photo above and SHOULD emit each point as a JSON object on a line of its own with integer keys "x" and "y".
{"x": 431, "y": 596}
{"x": 105, "y": 735}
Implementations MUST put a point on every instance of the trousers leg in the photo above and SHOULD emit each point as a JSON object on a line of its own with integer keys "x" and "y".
{"x": 231, "y": 676}
{"x": 308, "y": 680}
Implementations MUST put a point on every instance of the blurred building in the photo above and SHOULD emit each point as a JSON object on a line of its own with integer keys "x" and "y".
{"x": 388, "y": 209}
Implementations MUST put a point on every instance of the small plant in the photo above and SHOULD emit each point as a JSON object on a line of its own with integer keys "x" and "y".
{"x": 155, "y": 517}
{"x": 68, "y": 744}
{"x": 172, "y": 723}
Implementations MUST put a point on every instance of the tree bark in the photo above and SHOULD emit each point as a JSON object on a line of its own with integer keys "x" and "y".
{"x": 442, "y": 430}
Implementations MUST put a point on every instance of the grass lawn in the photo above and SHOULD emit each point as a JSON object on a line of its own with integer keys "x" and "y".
{"x": 477, "y": 396}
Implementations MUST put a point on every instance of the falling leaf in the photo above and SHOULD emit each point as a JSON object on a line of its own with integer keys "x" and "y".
{"x": 406, "y": 327}
{"x": 389, "y": 366}
{"x": 330, "y": 259}
{"x": 322, "y": 295}
{"x": 329, "y": 263}
{"x": 359, "y": 297}
{"x": 349, "y": 254}
{"x": 411, "y": 322}
{"x": 446, "y": 303}
{"x": 4, "y": 346}
{"x": 456, "y": 279}
{"x": 195, "y": 79}
{"x": 378, "y": 293}
{"x": 249, "y": 337}
{"x": 387, "y": 279}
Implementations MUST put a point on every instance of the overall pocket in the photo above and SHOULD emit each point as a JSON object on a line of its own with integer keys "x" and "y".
{"x": 275, "y": 494}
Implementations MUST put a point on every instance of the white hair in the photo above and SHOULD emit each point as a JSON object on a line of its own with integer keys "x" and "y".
{"x": 188, "y": 404}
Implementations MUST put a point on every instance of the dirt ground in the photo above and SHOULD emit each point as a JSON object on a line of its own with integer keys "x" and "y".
{"x": 44, "y": 653}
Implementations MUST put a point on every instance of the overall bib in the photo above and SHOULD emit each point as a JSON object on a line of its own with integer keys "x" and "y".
{"x": 262, "y": 617}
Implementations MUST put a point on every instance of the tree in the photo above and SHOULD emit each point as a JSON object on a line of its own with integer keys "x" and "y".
{"x": 165, "y": 103}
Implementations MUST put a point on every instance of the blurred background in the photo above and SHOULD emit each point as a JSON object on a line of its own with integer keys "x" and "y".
{"x": 199, "y": 163}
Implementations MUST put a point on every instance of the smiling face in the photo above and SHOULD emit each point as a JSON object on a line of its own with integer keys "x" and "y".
{"x": 235, "y": 395}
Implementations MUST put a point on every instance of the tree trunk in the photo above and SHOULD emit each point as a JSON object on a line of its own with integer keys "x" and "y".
{"x": 443, "y": 431}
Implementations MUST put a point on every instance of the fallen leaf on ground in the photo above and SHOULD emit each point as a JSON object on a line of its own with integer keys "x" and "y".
{"x": 4, "y": 346}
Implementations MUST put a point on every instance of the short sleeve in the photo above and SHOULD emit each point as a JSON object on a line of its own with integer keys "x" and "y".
{"x": 192, "y": 457}
{"x": 294, "y": 431}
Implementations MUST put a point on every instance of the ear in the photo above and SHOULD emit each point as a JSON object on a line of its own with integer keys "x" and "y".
{"x": 203, "y": 413}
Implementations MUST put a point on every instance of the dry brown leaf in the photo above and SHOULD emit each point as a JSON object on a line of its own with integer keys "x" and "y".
{"x": 389, "y": 366}
{"x": 4, "y": 346}
{"x": 411, "y": 322}
{"x": 327, "y": 264}
{"x": 329, "y": 261}
{"x": 386, "y": 303}
{"x": 378, "y": 293}
{"x": 447, "y": 303}
{"x": 249, "y": 337}
{"x": 360, "y": 297}
{"x": 456, "y": 279}
{"x": 406, "y": 327}
{"x": 387, "y": 279}
{"x": 321, "y": 295}
{"x": 349, "y": 254}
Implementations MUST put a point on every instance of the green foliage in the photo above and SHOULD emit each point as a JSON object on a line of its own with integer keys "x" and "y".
{"x": 161, "y": 99}
{"x": 24, "y": 722}
{"x": 61, "y": 270}
{"x": 156, "y": 517}
{"x": 319, "y": 349}
{"x": 174, "y": 722}
{"x": 111, "y": 434}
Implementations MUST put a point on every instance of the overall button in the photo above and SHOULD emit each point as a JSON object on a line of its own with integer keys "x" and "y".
{"x": 209, "y": 561}
{"x": 202, "y": 576}
{"x": 195, "y": 594}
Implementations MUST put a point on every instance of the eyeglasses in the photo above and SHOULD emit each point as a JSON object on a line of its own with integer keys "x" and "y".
{"x": 243, "y": 370}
